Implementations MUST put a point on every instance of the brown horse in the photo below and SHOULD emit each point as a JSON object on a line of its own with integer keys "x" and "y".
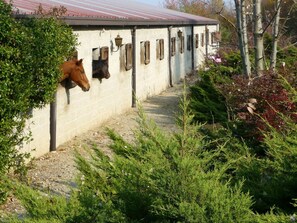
{"x": 74, "y": 70}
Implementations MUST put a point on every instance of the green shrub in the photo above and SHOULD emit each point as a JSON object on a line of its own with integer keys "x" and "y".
{"x": 31, "y": 52}
{"x": 271, "y": 179}
{"x": 157, "y": 178}
{"x": 207, "y": 102}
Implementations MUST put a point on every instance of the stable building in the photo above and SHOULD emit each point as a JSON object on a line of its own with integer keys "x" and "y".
{"x": 148, "y": 49}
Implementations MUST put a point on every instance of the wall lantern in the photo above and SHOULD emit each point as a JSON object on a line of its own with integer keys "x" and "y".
{"x": 179, "y": 33}
{"x": 118, "y": 42}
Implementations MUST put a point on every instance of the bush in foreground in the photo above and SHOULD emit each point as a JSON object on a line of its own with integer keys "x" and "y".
{"x": 157, "y": 178}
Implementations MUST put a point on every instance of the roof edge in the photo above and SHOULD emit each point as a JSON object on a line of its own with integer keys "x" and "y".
{"x": 95, "y": 21}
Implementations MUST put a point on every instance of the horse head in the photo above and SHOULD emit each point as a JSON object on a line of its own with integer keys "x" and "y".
{"x": 74, "y": 70}
{"x": 100, "y": 69}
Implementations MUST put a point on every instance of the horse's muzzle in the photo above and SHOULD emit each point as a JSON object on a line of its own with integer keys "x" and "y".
{"x": 86, "y": 89}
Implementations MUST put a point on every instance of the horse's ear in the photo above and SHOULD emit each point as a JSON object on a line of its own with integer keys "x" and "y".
{"x": 79, "y": 62}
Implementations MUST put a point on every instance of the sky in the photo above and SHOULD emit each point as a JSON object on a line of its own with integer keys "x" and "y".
{"x": 151, "y": 2}
{"x": 160, "y": 2}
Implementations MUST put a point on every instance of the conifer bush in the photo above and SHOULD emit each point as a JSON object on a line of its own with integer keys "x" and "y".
{"x": 208, "y": 104}
{"x": 157, "y": 178}
{"x": 271, "y": 179}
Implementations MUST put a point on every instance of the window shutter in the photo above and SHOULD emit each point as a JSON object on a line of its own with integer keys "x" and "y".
{"x": 147, "y": 52}
{"x": 197, "y": 40}
{"x": 128, "y": 49}
{"x": 202, "y": 39}
{"x": 104, "y": 53}
{"x": 161, "y": 46}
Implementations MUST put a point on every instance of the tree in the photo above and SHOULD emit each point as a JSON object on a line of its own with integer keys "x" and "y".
{"x": 240, "y": 6}
{"x": 31, "y": 51}
{"x": 258, "y": 37}
{"x": 275, "y": 35}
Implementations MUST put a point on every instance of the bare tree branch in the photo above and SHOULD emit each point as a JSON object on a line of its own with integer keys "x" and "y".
{"x": 226, "y": 19}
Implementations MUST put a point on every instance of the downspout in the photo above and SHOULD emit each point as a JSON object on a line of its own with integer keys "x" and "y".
{"x": 193, "y": 49}
{"x": 169, "y": 56}
{"x": 206, "y": 41}
{"x": 53, "y": 124}
{"x": 134, "y": 67}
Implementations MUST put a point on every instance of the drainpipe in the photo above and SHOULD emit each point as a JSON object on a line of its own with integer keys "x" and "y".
{"x": 169, "y": 56}
{"x": 134, "y": 67}
{"x": 53, "y": 124}
{"x": 193, "y": 49}
{"x": 206, "y": 41}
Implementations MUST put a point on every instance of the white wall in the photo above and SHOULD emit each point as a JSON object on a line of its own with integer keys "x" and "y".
{"x": 114, "y": 95}
{"x": 152, "y": 78}
{"x": 181, "y": 62}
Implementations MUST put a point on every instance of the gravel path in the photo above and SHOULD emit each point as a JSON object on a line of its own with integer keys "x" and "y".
{"x": 56, "y": 172}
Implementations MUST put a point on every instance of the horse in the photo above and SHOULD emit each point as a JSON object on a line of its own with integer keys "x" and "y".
{"x": 74, "y": 70}
{"x": 100, "y": 69}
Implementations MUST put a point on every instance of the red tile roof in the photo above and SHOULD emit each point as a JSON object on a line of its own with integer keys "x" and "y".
{"x": 111, "y": 12}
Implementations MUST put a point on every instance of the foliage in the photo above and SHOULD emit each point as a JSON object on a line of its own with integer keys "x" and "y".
{"x": 31, "y": 52}
{"x": 41, "y": 207}
{"x": 264, "y": 117}
{"x": 270, "y": 98}
{"x": 288, "y": 57}
{"x": 207, "y": 102}
{"x": 157, "y": 178}
{"x": 271, "y": 179}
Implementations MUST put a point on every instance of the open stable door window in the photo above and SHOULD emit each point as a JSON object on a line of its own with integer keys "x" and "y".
{"x": 75, "y": 55}
{"x": 215, "y": 37}
{"x": 99, "y": 60}
{"x": 128, "y": 56}
{"x": 160, "y": 49}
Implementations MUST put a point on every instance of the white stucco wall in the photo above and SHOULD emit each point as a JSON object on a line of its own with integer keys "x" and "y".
{"x": 114, "y": 95}
{"x": 152, "y": 78}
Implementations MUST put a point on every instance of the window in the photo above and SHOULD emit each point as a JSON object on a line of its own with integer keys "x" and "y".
{"x": 160, "y": 49}
{"x": 145, "y": 52}
{"x": 202, "y": 39}
{"x": 173, "y": 46}
{"x": 182, "y": 44}
{"x": 75, "y": 55}
{"x": 128, "y": 56}
{"x": 189, "y": 42}
{"x": 100, "y": 61}
{"x": 215, "y": 37}
{"x": 197, "y": 40}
